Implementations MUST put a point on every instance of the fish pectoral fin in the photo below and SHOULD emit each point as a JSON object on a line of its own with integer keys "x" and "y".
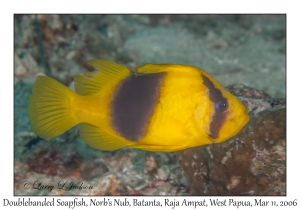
{"x": 158, "y": 68}
{"x": 108, "y": 75}
{"x": 99, "y": 139}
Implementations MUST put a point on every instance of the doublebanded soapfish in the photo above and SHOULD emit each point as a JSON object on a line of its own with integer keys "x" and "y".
{"x": 157, "y": 107}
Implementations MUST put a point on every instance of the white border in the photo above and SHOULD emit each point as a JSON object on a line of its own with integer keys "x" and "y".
{"x": 154, "y": 6}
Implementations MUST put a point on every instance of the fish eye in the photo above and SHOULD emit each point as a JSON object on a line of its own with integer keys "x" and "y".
{"x": 221, "y": 105}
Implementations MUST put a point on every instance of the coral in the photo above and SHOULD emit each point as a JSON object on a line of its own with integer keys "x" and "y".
{"x": 251, "y": 163}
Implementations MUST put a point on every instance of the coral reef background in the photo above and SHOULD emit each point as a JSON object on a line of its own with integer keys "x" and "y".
{"x": 244, "y": 49}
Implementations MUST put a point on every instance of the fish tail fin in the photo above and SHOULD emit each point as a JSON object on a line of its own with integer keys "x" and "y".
{"x": 50, "y": 108}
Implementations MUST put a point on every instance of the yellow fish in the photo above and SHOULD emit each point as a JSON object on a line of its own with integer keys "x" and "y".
{"x": 157, "y": 107}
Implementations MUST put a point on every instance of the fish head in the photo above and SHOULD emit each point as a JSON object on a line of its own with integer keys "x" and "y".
{"x": 235, "y": 117}
{"x": 226, "y": 115}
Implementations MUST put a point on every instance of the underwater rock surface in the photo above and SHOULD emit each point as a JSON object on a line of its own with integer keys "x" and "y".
{"x": 251, "y": 163}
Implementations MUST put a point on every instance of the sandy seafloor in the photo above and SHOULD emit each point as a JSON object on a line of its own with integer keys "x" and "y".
{"x": 248, "y": 49}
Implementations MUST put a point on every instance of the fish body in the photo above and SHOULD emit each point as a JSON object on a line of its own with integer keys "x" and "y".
{"x": 157, "y": 107}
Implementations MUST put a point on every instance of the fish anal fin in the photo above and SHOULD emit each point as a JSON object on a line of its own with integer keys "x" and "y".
{"x": 99, "y": 139}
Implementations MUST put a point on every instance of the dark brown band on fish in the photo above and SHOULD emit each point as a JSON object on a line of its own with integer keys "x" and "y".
{"x": 133, "y": 104}
{"x": 220, "y": 102}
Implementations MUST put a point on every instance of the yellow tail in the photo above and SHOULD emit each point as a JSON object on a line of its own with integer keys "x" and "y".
{"x": 50, "y": 108}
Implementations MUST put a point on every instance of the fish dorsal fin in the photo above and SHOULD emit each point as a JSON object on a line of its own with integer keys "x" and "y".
{"x": 108, "y": 75}
{"x": 158, "y": 68}
{"x": 99, "y": 139}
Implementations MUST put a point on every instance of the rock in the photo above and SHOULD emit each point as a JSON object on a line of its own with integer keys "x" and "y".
{"x": 20, "y": 71}
{"x": 92, "y": 169}
{"x": 55, "y": 161}
{"x": 55, "y": 23}
{"x": 165, "y": 45}
{"x": 218, "y": 44}
{"x": 26, "y": 135}
{"x": 150, "y": 165}
{"x": 109, "y": 185}
{"x": 30, "y": 63}
{"x": 244, "y": 91}
{"x": 71, "y": 55}
{"x": 251, "y": 163}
